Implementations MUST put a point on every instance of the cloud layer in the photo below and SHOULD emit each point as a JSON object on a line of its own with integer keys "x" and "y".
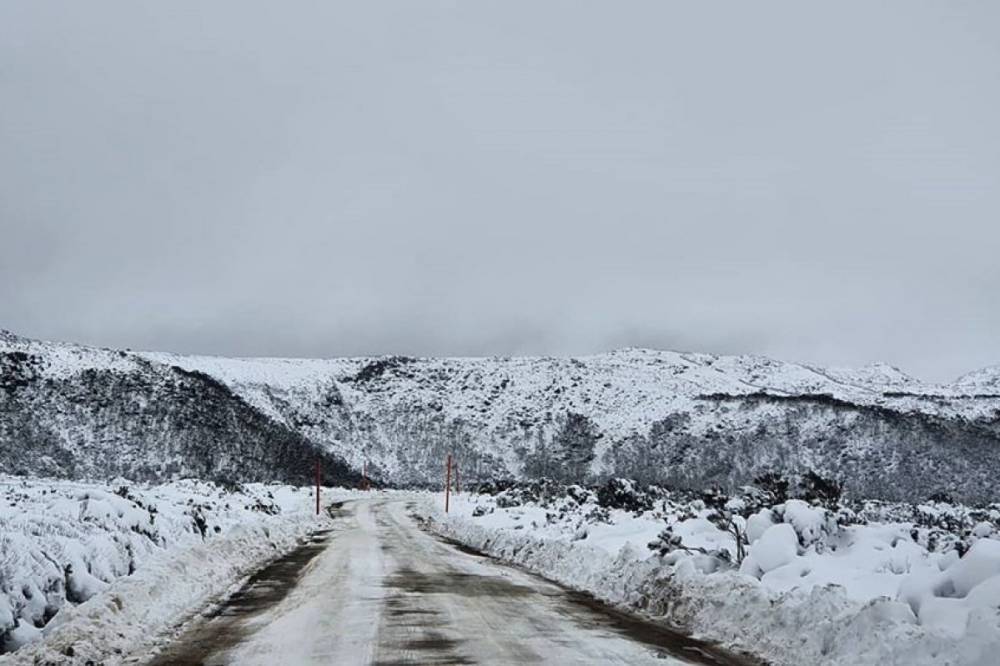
{"x": 318, "y": 179}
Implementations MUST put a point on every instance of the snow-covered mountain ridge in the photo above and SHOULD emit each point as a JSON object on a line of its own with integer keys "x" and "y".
{"x": 80, "y": 412}
{"x": 660, "y": 416}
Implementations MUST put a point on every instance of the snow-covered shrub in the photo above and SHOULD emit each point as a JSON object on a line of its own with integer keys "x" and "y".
{"x": 936, "y": 526}
{"x": 539, "y": 491}
{"x": 579, "y": 494}
{"x": 813, "y": 525}
{"x": 776, "y": 547}
{"x": 758, "y": 523}
{"x": 666, "y": 541}
{"x": 597, "y": 514}
{"x": 815, "y": 489}
{"x": 624, "y": 494}
{"x": 773, "y": 485}
{"x": 494, "y": 486}
{"x": 62, "y": 542}
{"x": 870, "y": 591}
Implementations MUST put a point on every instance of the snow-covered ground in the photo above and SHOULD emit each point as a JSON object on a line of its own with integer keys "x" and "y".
{"x": 99, "y": 569}
{"x": 872, "y": 583}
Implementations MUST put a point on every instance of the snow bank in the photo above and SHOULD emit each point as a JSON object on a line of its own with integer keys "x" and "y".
{"x": 811, "y": 590}
{"x": 97, "y": 570}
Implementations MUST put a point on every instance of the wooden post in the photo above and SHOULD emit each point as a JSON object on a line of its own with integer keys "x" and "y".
{"x": 317, "y": 485}
{"x": 447, "y": 483}
{"x": 458, "y": 486}
{"x": 364, "y": 475}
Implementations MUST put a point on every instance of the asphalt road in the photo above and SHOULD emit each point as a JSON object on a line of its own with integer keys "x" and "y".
{"x": 379, "y": 590}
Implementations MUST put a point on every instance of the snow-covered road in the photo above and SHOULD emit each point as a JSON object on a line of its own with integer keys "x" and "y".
{"x": 379, "y": 590}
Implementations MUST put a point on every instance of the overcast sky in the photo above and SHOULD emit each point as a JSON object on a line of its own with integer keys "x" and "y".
{"x": 812, "y": 181}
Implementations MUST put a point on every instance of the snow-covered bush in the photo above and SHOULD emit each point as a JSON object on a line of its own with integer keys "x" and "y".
{"x": 62, "y": 543}
{"x": 776, "y": 547}
{"x": 494, "y": 486}
{"x": 859, "y": 574}
{"x": 539, "y": 491}
{"x": 814, "y": 525}
{"x": 816, "y": 489}
{"x": 625, "y": 494}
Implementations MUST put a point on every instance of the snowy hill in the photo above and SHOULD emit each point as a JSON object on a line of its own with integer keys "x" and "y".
{"x": 79, "y": 412}
{"x": 986, "y": 380}
{"x": 668, "y": 417}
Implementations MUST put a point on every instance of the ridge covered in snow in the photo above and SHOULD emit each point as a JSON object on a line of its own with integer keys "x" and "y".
{"x": 80, "y": 412}
{"x": 686, "y": 419}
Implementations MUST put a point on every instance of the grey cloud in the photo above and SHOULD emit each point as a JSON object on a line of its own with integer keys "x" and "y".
{"x": 818, "y": 183}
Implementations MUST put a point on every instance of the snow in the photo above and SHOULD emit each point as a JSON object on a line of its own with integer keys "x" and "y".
{"x": 944, "y": 615}
{"x": 982, "y": 380}
{"x": 101, "y": 568}
{"x": 985, "y": 596}
{"x": 870, "y": 592}
{"x": 758, "y": 523}
{"x": 777, "y": 546}
{"x": 64, "y": 360}
{"x": 981, "y": 562}
{"x": 623, "y": 391}
{"x": 505, "y": 403}
{"x": 810, "y": 523}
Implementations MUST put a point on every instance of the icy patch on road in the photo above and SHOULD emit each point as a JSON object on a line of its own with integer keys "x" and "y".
{"x": 93, "y": 571}
{"x": 888, "y": 584}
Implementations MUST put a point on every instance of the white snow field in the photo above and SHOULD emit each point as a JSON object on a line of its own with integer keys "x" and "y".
{"x": 98, "y": 569}
{"x": 883, "y": 585}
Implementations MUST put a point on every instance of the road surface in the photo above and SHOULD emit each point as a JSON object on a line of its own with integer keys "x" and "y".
{"x": 378, "y": 590}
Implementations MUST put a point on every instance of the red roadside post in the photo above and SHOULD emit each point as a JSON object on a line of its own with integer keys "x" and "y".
{"x": 317, "y": 486}
{"x": 447, "y": 483}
